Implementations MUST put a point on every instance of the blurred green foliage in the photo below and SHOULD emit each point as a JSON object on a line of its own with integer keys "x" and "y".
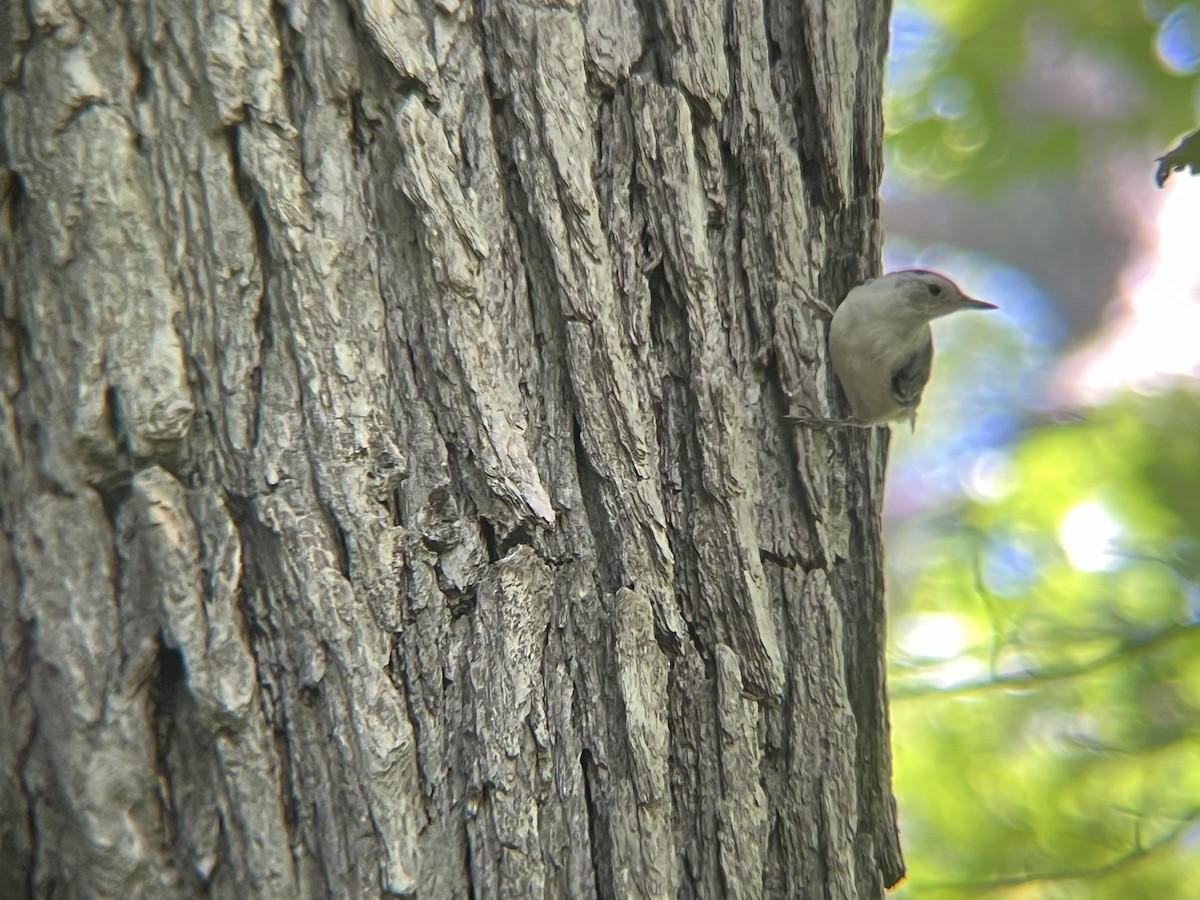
{"x": 1044, "y": 578}
{"x": 1046, "y": 666}
{"x": 985, "y": 92}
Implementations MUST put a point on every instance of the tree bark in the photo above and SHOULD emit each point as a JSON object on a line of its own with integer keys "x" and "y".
{"x": 396, "y": 494}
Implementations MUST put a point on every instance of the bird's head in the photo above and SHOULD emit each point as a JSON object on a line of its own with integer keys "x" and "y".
{"x": 928, "y": 295}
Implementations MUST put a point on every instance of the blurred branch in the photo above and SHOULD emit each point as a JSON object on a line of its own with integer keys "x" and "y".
{"x": 1140, "y": 851}
{"x": 1186, "y": 730}
{"x": 1185, "y": 156}
{"x": 1125, "y": 649}
{"x": 988, "y": 599}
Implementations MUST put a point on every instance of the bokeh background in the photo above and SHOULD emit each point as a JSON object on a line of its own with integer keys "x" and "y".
{"x": 1043, "y": 522}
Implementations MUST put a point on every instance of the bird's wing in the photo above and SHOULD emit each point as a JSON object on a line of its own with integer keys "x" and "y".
{"x": 908, "y": 381}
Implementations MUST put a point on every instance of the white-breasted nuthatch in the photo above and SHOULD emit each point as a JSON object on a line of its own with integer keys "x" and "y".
{"x": 881, "y": 346}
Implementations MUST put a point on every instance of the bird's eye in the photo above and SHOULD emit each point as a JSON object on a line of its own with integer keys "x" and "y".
{"x": 935, "y": 289}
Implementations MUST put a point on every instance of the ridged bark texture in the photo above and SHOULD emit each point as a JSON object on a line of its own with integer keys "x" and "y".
{"x": 396, "y": 495}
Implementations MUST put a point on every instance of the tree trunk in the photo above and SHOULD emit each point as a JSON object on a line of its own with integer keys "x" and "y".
{"x": 396, "y": 494}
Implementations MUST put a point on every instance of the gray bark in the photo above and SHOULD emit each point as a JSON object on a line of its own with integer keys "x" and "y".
{"x": 396, "y": 498}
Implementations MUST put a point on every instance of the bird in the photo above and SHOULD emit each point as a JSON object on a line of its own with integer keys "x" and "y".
{"x": 881, "y": 346}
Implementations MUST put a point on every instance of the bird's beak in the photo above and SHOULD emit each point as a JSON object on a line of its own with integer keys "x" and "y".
{"x": 972, "y": 303}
